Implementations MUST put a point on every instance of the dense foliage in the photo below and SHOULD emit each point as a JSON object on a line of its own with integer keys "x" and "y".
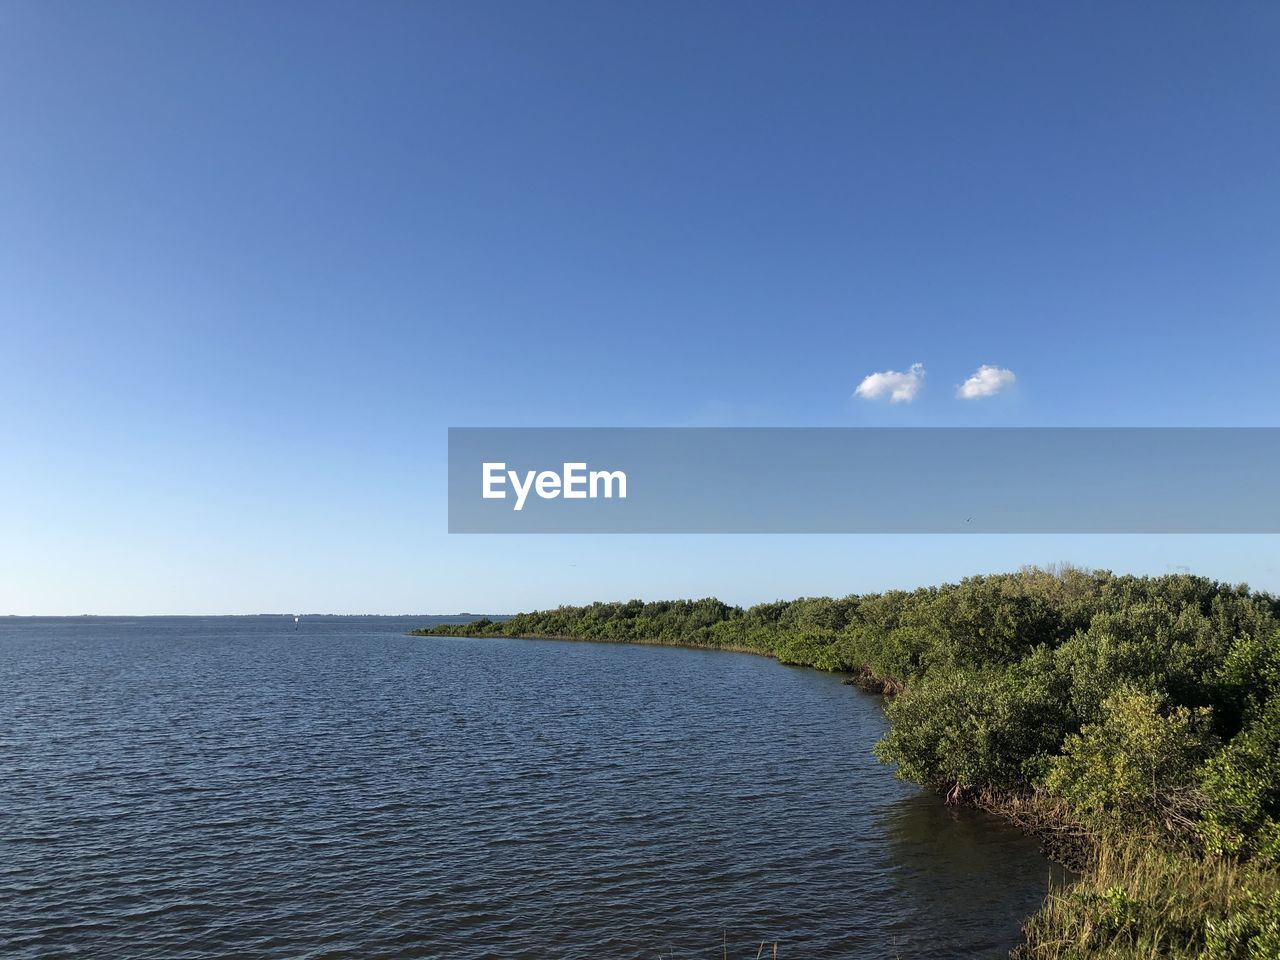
{"x": 1132, "y": 706}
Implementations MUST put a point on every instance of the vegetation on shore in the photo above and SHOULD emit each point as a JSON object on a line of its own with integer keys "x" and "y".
{"x": 1134, "y": 722}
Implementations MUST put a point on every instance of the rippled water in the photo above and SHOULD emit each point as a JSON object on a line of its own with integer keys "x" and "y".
{"x": 228, "y": 787}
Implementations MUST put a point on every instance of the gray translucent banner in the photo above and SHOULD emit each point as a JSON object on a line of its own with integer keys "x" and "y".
{"x": 861, "y": 480}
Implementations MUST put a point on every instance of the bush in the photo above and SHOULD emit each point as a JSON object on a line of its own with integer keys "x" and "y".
{"x": 1136, "y": 764}
{"x": 1242, "y": 791}
{"x": 965, "y": 730}
{"x": 1249, "y": 931}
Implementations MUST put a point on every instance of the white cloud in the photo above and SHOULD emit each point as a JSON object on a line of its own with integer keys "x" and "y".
{"x": 986, "y": 381}
{"x": 899, "y": 387}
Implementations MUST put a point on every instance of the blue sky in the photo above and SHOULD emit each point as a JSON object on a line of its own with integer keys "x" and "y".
{"x": 255, "y": 259}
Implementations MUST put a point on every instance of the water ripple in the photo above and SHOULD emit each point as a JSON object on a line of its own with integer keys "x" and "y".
{"x": 192, "y": 789}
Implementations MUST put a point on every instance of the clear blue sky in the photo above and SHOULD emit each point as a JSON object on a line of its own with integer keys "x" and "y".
{"x": 255, "y": 259}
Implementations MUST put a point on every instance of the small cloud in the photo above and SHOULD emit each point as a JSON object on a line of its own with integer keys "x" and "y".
{"x": 898, "y": 386}
{"x": 987, "y": 381}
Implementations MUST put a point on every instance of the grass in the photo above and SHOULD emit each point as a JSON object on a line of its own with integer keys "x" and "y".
{"x": 1143, "y": 900}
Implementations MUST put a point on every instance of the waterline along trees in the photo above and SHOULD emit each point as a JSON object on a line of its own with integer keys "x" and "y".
{"x": 1141, "y": 714}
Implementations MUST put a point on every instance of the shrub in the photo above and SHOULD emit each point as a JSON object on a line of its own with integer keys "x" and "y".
{"x": 1241, "y": 784}
{"x": 1137, "y": 763}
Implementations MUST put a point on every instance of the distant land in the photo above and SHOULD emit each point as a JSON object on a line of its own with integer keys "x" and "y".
{"x": 440, "y": 617}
